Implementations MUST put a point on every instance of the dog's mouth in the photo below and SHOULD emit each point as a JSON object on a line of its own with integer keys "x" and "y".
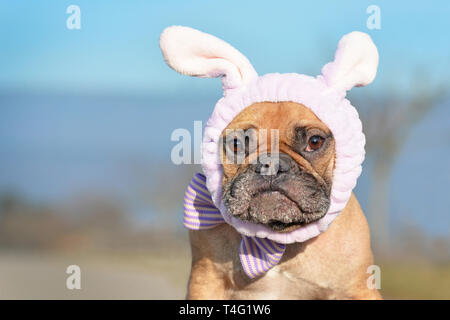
{"x": 281, "y": 226}
{"x": 282, "y": 204}
{"x": 276, "y": 210}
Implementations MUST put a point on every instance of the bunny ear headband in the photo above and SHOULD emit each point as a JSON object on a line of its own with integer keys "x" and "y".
{"x": 192, "y": 52}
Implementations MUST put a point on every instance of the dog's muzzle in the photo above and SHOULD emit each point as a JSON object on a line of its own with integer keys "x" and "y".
{"x": 276, "y": 192}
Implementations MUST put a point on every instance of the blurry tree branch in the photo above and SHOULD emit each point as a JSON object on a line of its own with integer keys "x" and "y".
{"x": 388, "y": 121}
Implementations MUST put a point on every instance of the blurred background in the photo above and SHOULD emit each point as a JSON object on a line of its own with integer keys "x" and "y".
{"x": 86, "y": 117}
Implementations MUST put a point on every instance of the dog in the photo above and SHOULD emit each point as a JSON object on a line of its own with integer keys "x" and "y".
{"x": 332, "y": 265}
{"x": 291, "y": 192}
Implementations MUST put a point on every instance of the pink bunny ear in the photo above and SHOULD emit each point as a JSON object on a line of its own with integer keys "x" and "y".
{"x": 355, "y": 62}
{"x": 194, "y": 53}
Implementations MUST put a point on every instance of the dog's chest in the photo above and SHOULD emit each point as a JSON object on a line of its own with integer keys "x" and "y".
{"x": 281, "y": 284}
{"x": 298, "y": 276}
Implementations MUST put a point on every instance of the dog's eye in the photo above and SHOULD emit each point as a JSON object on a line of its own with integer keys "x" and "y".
{"x": 237, "y": 145}
{"x": 314, "y": 143}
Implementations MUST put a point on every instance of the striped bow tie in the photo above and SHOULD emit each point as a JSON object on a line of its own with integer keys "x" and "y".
{"x": 257, "y": 255}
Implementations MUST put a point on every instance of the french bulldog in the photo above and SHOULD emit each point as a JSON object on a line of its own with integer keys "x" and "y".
{"x": 332, "y": 265}
{"x": 294, "y": 188}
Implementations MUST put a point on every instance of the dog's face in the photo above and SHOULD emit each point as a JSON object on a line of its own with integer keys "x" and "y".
{"x": 278, "y": 162}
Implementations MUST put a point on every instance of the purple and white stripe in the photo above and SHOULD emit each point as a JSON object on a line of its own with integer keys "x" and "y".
{"x": 257, "y": 255}
{"x": 199, "y": 210}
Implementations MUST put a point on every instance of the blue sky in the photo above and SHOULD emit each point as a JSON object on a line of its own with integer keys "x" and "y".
{"x": 78, "y": 106}
{"x": 116, "y": 49}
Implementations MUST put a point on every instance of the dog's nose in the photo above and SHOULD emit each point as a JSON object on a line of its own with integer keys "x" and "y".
{"x": 273, "y": 164}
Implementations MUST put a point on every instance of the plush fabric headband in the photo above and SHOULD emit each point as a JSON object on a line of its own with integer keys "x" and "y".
{"x": 195, "y": 53}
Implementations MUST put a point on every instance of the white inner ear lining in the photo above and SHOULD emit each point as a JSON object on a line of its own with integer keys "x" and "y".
{"x": 195, "y": 53}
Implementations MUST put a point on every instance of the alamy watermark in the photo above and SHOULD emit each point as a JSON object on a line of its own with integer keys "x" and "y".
{"x": 235, "y": 146}
{"x": 73, "y": 22}
{"x": 73, "y": 281}
{"x": 374, "y": 19}
{"x": 374, "y": 280}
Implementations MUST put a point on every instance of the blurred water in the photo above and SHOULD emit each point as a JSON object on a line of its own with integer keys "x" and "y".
{"x": 53, "y": 148}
